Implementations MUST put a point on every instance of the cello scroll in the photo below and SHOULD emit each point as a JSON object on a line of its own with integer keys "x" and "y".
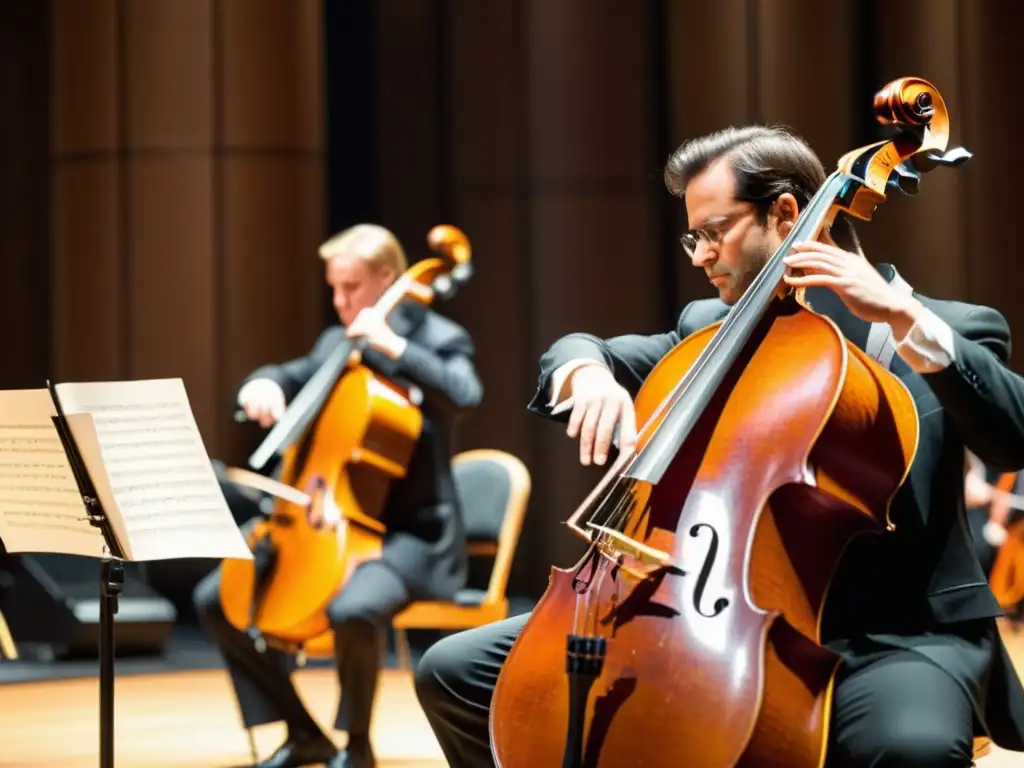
{"x": 916, "y": 108}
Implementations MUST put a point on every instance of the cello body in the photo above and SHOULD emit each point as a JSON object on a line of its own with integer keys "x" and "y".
{"x": 1007, "y": 577}
{"x": 756, "y": 512}
{"x": 359, "y": 445}
{"x": 343, "y": 440}
{"x": 689, "y": 632}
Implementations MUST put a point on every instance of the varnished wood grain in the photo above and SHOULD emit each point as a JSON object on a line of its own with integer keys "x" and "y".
{"x": 766, "y": 545}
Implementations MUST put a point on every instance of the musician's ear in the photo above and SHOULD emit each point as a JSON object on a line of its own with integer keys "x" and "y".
{"x": 386, "y": 274}
{"x": 784, "y": 211}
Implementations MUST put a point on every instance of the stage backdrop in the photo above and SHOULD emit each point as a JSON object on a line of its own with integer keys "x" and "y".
{"x": 170, "y": 166}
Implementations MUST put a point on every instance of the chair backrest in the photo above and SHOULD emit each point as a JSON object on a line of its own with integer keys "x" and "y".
{"x": 493, "y": 488}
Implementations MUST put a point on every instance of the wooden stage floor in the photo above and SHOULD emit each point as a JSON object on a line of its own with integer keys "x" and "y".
{"x": 190, "y": 720}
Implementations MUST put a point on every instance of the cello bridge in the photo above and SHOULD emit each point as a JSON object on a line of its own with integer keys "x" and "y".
{"x": 612, "y": 543}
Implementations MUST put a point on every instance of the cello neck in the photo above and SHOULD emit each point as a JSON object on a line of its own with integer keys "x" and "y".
{"x": 306, "y": 405}
{"x": 685, "y": 404}
{"x": 422, "y": 282}
{"x": 857, "y": 187}
{"x": 311, "y": 398}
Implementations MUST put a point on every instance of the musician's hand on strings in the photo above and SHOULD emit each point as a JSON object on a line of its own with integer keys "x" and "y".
{"x": 262, "y": 400}
{"x": 860, "y": 286}
{"x": 977, "y": 492}
{"x": 369, "y": 324}
{"x": 599, "y": 404}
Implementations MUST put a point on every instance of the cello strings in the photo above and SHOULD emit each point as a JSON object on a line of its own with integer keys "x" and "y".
{"x": 622, "y": 500}
{"x": 595, "y": 604}
{"x": 612, "y": 509}
{"x": 813, "y": 216}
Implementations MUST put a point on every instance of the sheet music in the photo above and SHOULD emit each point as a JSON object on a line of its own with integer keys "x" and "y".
{"x": 41, "y": 508}
{"x": 160, "y": 476}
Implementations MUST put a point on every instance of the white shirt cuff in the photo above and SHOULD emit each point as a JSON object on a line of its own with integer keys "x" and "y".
{"x": 560, "y": 393}
{"x": 928, "y": 346}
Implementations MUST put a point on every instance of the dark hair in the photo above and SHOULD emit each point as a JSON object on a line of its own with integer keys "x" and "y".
{"x": 766, "y": 162}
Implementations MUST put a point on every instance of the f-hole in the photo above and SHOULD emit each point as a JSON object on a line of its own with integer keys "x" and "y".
{"x": 705, "y": 572}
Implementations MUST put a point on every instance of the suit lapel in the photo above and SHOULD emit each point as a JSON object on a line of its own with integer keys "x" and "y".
{"x": 825, "y": 302}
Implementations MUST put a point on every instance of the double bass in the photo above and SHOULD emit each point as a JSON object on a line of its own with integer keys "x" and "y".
{"x": 343, "y": 440}
{"x": 688, "y": 632}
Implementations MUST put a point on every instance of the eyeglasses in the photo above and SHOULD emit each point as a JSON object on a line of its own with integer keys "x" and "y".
{"x": 712, "y": 233}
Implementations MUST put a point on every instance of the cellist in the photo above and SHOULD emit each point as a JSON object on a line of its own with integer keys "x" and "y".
{"x": 909, "y": 611}
{"x": 424, "y": 554}
{"x": 989, "y": 512}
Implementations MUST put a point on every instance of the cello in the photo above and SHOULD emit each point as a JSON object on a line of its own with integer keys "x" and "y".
{"x": 688, "y": 632}
{"x": 343, "y": 440}
{"x": 1007, "y": 576}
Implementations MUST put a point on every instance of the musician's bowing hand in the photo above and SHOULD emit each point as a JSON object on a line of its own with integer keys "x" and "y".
{"x": 262, "y": 400}
{"x": 860, "y": 286}
{"x": 599, "y": 404}
{"x": 369, "y": 324}
{"x": 977, "y": 492}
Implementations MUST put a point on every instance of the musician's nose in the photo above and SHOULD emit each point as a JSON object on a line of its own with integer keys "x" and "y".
{"x": 340, "y": 302}
{"x": 704, "y": 254}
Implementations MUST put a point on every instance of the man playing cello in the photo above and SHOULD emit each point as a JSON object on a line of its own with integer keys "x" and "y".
{"x": 995, "y": 518}
{"x": 989, "y": 511}
{"x": 910, "y": 612}
{"x": 424, "y": 555}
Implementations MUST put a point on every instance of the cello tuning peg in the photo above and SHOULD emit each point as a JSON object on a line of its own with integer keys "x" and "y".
{"x": 462, "y": 272}
{"x": 904, "y": 179}
{"x": 952, "y": 158}
{"x": 443, "y": 286}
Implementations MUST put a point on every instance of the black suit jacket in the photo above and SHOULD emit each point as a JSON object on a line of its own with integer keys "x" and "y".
{"x": 924, "y": 577}
{"x": 426, "y": 539}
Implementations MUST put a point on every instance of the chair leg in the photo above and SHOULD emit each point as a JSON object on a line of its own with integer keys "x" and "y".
{"x": 8, "y": 649}
{"x": 252, "y": 746}
{"x": 404, "y": 652}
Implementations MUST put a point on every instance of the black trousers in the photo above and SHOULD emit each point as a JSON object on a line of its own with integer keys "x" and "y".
{"x": 359, "y": 615}
{"x": 895, "y": 709}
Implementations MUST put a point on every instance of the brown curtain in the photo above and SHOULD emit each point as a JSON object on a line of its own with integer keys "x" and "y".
{"x": 170, "y": 220}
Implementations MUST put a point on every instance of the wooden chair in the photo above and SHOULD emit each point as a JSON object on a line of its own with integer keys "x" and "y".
{"x": 8, "y": 649}
{"x": 982, "y": 746}
{"x": 494, "y": 488}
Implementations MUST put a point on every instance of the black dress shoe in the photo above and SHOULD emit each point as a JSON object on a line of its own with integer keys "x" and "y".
{"x": 315, "y": 750}
{"x": 357, "y": 754}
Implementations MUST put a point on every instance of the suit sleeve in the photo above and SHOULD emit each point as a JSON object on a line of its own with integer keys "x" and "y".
{"x": 445, "y": 373}
{"x": 981, "y": 395}
{"x": 631, "y": 358}
{"x": 293, "y": 375}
